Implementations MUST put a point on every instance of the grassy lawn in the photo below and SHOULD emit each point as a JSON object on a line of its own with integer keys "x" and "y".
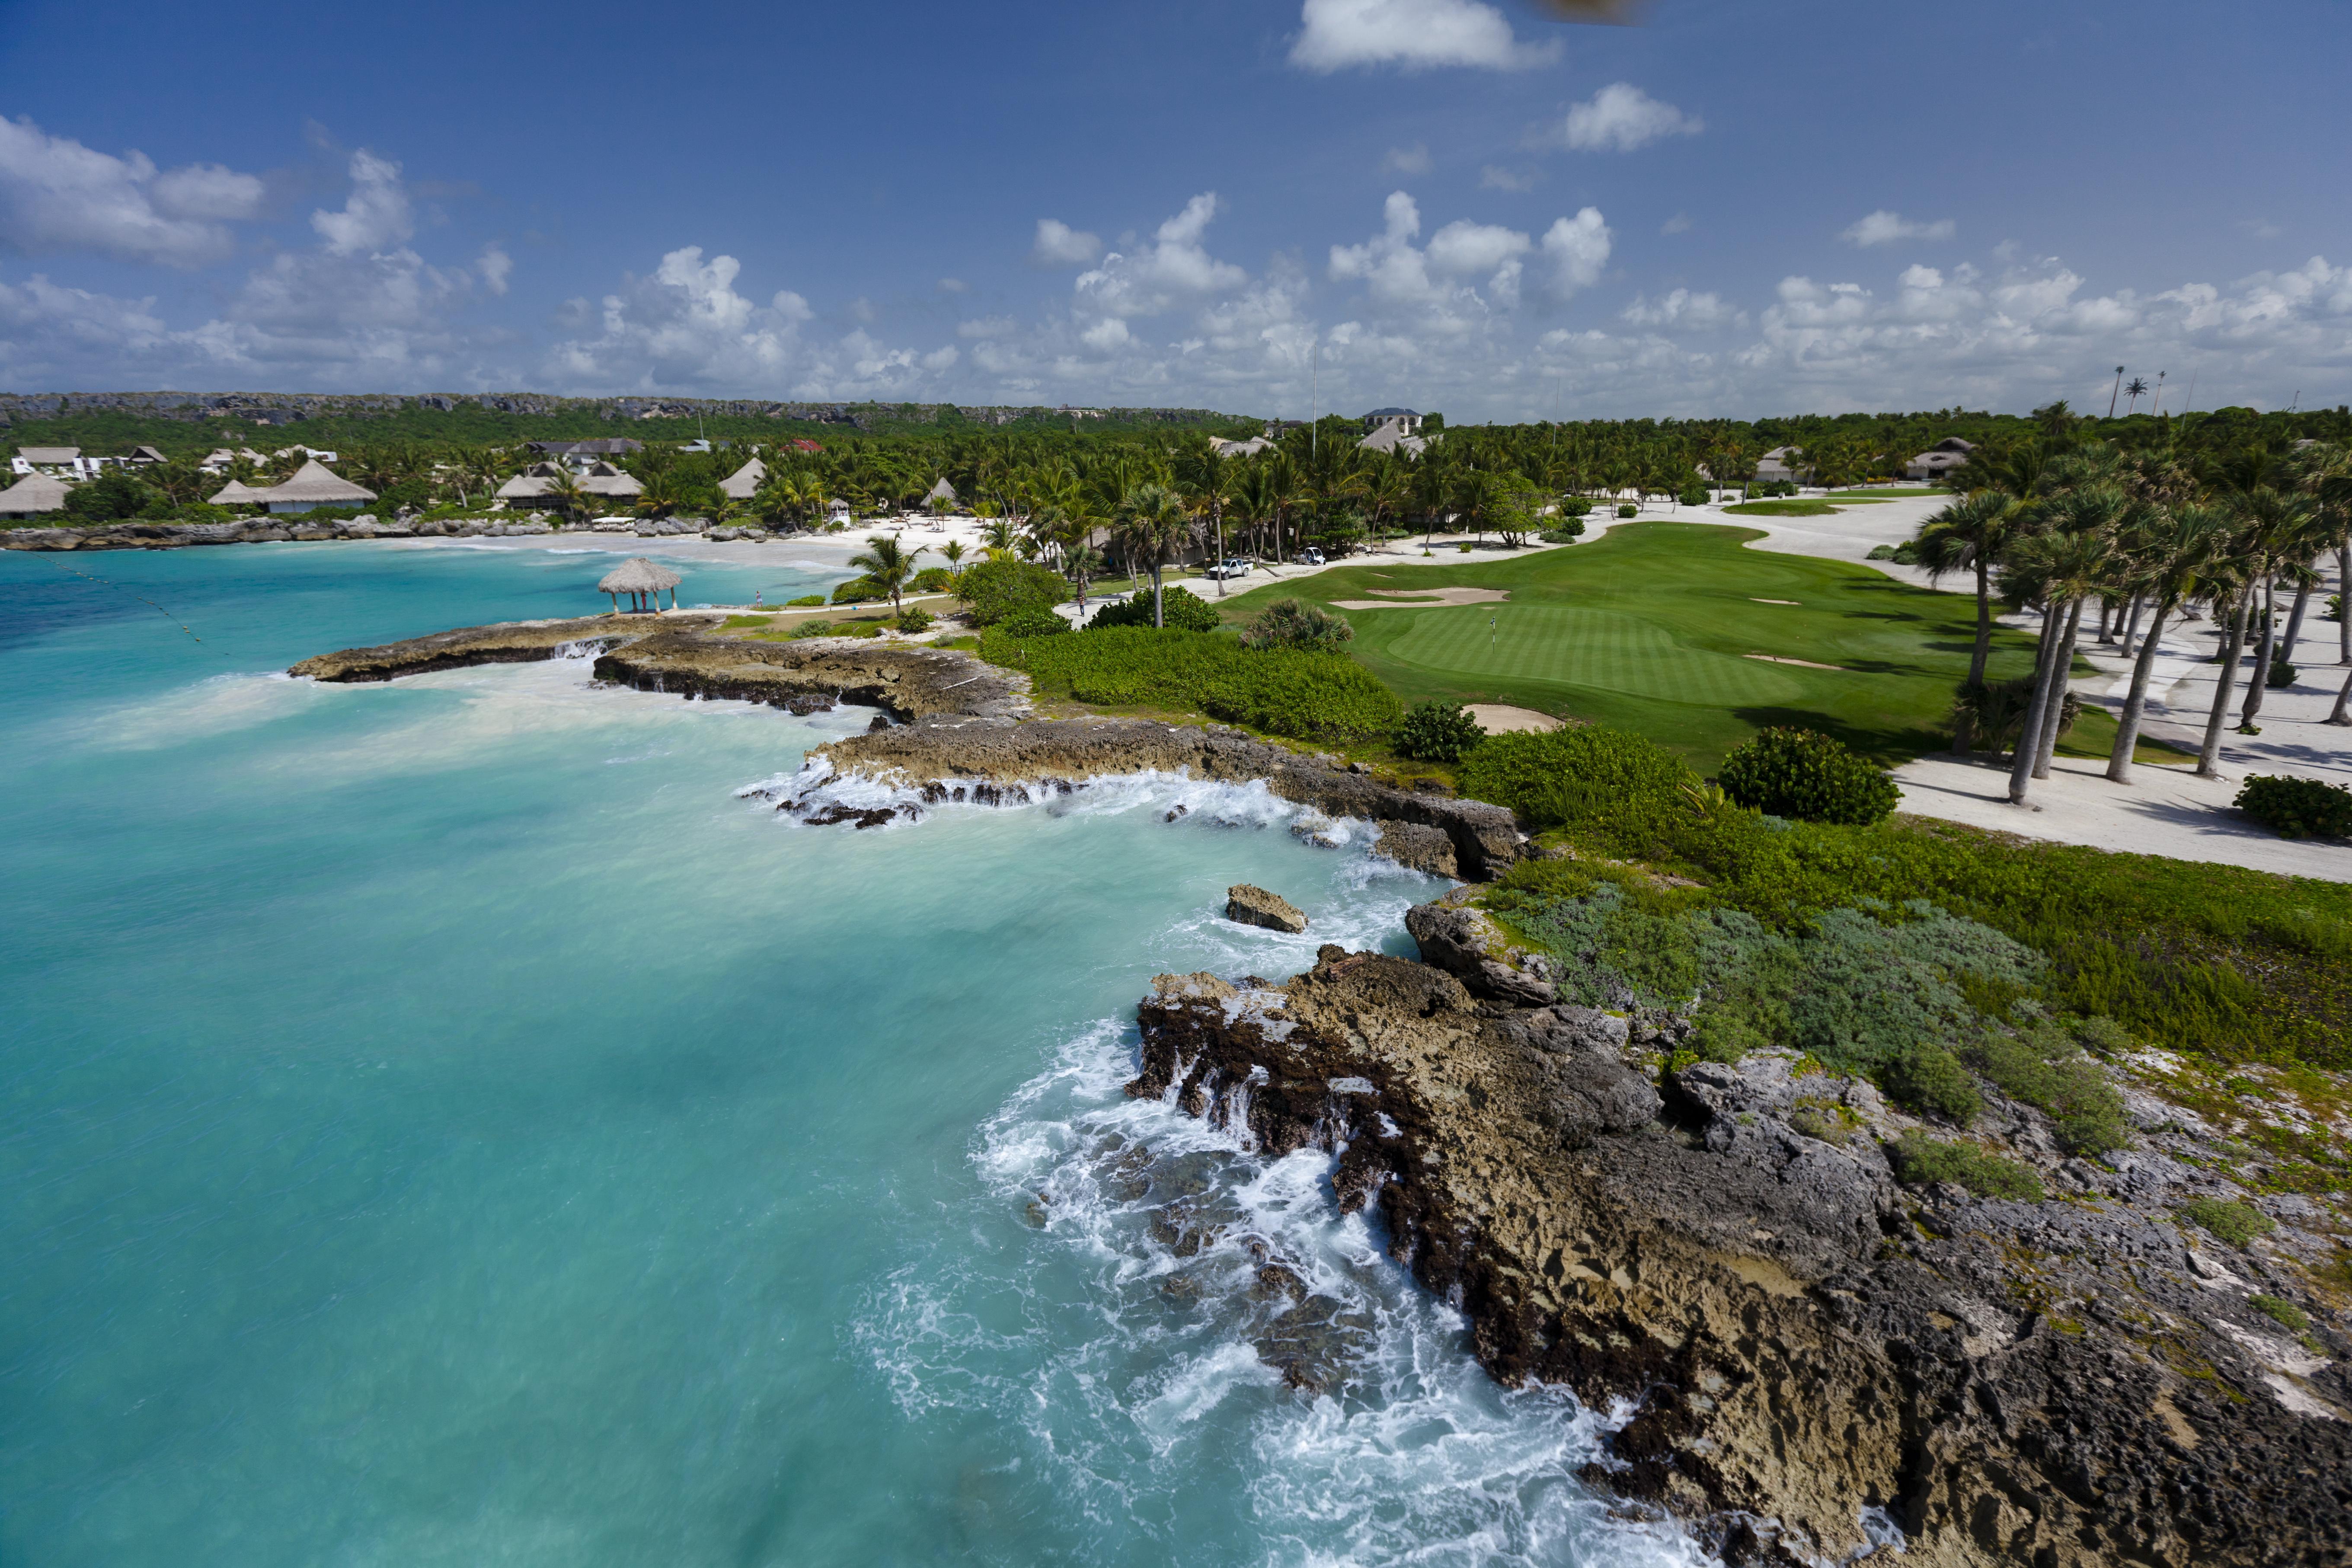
{"x": 1649, "y": 630}
{"x": 1889, "y": 492}
{"x": 1806, "y": 508}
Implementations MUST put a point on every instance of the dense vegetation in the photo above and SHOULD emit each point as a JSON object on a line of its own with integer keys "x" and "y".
{"x": 1282, "y": 691}
{"x": 2212, "y": 960}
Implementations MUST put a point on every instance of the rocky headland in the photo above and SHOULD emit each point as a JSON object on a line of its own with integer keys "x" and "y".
{"x": 1808, "y": 1355}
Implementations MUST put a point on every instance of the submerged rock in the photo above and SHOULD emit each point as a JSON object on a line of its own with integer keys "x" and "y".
{"x": 1252, "y": 906}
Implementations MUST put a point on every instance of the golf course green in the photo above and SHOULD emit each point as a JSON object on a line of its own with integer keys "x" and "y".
{"x": 1668, "y": 629}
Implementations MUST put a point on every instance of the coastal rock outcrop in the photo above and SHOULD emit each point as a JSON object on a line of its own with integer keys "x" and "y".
{"x": 1246, "y": 904}
{"x": 510, "y": 642}
{"x": 1813, "y": 1357}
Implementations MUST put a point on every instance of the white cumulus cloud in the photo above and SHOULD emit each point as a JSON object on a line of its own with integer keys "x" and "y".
{"x": 1883, "y": 228}
{"x": 58, "y": 196}
{"x": 1681, "y": 311}
{"x": 1059, "y": 245}
{"x": 1577, "y": 248}
{"x": 375, "y": 213}
{"x": 1173, "y": 269}
{"x": 1335, "y": 34}
{"x": 1620, "y": 118}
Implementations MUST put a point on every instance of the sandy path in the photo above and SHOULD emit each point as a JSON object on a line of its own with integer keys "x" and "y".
{"x": 1502, "y": 719}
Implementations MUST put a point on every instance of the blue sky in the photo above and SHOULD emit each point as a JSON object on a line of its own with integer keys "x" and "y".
{"x": 1736, "y": 208}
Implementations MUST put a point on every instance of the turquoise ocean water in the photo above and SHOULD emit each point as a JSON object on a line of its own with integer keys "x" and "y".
{"x": 445, "y": 1123}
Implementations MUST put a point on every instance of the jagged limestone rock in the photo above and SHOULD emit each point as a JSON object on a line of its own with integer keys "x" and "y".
{"x": 1253, "y": 906}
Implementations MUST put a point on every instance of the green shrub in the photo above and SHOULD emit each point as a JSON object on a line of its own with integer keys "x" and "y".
{"x": 859, "y": 591}
{"x": 1033, "y": 623}
{"x": 2297, "y": 808}
{"x": 1294, "y": 623}
{"x": 1804, "y": 774}
{"x": 817, "y": 628}
{"x": 804, "y": 599}
{"x": 995, "y": 589}
{"x": 911, "y": 619}
{"x": 2281, "y": 1311}
{"x": 1282, "y": 691}
{"x": 1569, "y": 775}
{"x": 1919, "y": 1161}
{"x": 1927, "y": 1079}
{"x": 1560, "y": 535}
{"x": 1438, "y": 733}
{"x": 2048, "y": 1070}
{"x": 1180, "y": 610}
{"x": 1693, "y": 496}
{"x": 1574, "y": 507}
{"x": 2282, "y": 675}
{"x": 1628, "y": 509}
{"x": 932, "y": 580}
{"x": 2236, "y": 1224}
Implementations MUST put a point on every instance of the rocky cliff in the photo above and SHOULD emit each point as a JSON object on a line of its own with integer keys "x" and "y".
{"x": 1810, "y": 1355}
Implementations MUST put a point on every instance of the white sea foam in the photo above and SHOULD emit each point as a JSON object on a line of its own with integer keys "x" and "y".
{"x": 1165, "y": 1277}
{"x": 216, "y": 705}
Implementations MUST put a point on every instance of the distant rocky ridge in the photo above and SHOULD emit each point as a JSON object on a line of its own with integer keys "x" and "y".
{"x": 289, "y": 407}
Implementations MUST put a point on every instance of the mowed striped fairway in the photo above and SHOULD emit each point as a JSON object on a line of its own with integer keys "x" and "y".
{"x": 1650, "y": 627}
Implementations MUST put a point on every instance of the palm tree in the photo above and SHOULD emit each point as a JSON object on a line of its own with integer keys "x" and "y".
{"x": 1152, "y": 526}
{"x": 2280, "y": 532}
{"x": 664, "y": 493}
{"x": 1252, "y": 498}
{"x": 1206, "y": 475}
{"x": 953, "y": 553}
{"x": 1970, "y": 535}
{"x": 571, "y": 497}
{"x": 2063, "y": 565}
{"x": 889, "y": 562}
{"x": 2135, "y": 391}
{"x": 2171, "y": 550}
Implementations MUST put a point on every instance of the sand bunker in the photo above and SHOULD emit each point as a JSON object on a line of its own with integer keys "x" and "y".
{"x": 1501, "y": 719}
{"x": 1775, "y": 658}
{"x": 1411, "y": 598}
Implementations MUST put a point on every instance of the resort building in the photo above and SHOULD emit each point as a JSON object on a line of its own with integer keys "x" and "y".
{"x": 1940, "y": 459}
{"x": 1249, "y": 449}
{"x": 33, "y": 494}
{"x": 61, "y": 462}
{"x": 1380, "y": 417}
{"x": 741, "y": 484}
{"x": 1396, "y": 435}
{"x": 311, "y": 486}
{"x": 582, "y": 453}
{"x": 534, "y": 487}
{"x": 1782, "y": 465}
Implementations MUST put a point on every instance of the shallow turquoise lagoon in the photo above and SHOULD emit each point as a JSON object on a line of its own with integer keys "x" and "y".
{"x": 445, "y": 1123}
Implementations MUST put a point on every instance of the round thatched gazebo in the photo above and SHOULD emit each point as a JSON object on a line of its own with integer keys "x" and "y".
{"x": 640, "y": 578}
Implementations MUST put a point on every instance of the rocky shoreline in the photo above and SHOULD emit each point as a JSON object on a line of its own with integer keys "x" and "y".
{"x": 1816, "y": 1360}
{"x": 965, "y": 731}
{"x": 1813, "y": 1360}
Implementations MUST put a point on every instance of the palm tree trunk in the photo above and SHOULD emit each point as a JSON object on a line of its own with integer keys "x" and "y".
{"x": 2107, "y": 620}
{"x": 2342, "y": 712}
{"x": 2344, "y": 601}
{"x": 2131, "y": 626}
{"x": 2233, "y": 647}
{"x": 1217, "y": 511}
{"x": 2054, "y": 711}
{"x": 1159, "y": 621}
{"x": 2119, "y": 764}
{"x": 2029, "y": 732}
{"x": 2295, "y": 623}
{"x": 1964, "y": 728}
{"x": 2260, "y": 682}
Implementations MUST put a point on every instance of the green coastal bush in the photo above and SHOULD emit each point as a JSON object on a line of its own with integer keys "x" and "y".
{"x": 2217, "y": 961}
{"x": 804, "y": 599}
{"x": 2048, "y": 1069}
{"x": 2297, "y": 808}
{"x": 2282, "y": 675}
{"x": 1034, "y": 624}
{"x": 1804, "y": 774}
{"x": 2236, "y": 1224}
{"x": 997, "y": 589}
{"x": 859, "y": 591}
{"x": 2281, "y": 1311}
{"x": 1294, "y": 623}
{"x": 1574, "y": 507}
{"x": 1438, "y": 733}
{"x": 911, "y": 619}
{"x": 1583, "y": 774}
{"x": 1180, "y": 610}
{"x": 1282, "y": 691}
{"x": 1921, "y": 1161}
{"x": 932, "y": 580}
{"x": 1629, "y": 510}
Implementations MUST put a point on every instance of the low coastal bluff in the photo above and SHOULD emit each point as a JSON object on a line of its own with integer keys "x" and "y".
{"x": 1815, "y": 1356}
{"x": 965, "y": 730}
{"x": 674, "y": 653}
{"x": 957, "y": 759}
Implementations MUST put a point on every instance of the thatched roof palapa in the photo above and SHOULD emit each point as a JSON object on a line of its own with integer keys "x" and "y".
{"x": 636, "y": 577}
{"x": 238, "y": 493}
{"x": 743, "y": 482}
{"x": 33, "y": 493}
{"x": 314, "y": 484}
